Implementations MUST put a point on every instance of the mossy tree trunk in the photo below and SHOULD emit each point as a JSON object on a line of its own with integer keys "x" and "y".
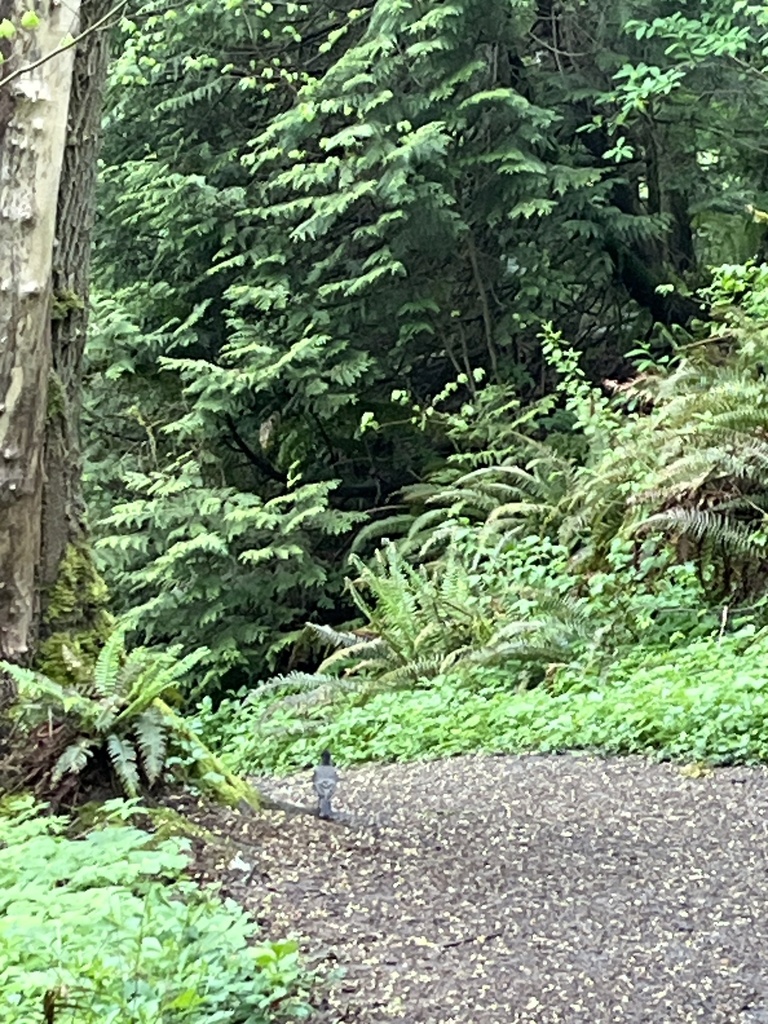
{"x": 73, "y": 595}
{"x": 48, "y": 130}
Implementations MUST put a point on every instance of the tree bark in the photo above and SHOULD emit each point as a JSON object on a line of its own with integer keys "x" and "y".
{"x": 33, "y": 126}
{"x": 73, "y": 595}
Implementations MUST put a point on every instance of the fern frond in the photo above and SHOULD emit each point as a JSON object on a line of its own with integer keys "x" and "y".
{"x": 106, "y": 673}
{"x": 297, "y": 682}
{"x": 417, "y": 671}
{"x": 516, "y": 474}
{"x": 109, "y": 708}
{"x": 151, "y": 739}
{"x": 122, "y": 755}
{"x": 708, "y": 525}
{"x": 128, "y": 674}
{"x": 426, "y": 522}
{"x": 310, "y": 690}
{"x": 73, "y": 760}
{"x": 517, "y": 513}
{"x": 541, "y": 652}
{"x": 334, "y": 637}
{"x": 374, "y": 648}
{"x": 392, "y": 526}
{"x": 477, "y": 501}
{"x": 564, "y": 611}
{"x": 34, "y": 687}
{"x": 157, "y": 675}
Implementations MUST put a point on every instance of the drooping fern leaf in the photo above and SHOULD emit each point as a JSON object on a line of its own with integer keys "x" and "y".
{"x": 122, "y": 755}
{"x": 36, "y": 688}
{"x": 298, "y": 690}
{"x": 708, "y": 525}
{"x": 376, "y": 647}
{"x": 74, "y": 759}
{"x": 150, "y": 731}
{"x": 334, "y": 637}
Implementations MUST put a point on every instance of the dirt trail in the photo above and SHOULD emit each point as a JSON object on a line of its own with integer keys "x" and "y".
{"x": 523, "y": 890}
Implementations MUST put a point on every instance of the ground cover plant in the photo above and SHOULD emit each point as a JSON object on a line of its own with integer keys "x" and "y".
{"x": 702, "y": 701}
{"x": 103, "y": 927}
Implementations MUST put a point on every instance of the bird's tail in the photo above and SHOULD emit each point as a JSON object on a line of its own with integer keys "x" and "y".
{"x": 324, "y": 806}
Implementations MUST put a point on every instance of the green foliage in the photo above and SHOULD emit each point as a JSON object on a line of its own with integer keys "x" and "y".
{"x": 689, "y": 459}
{"x": 517, "y": 614}
{"x": 501, "y": 475}
{"x": 677, "y": 451}
{"x": 103, "y": 928}
{"x": 307, "y": 212}
{"x": 326, "y": 242}
{"x": 221, "y": 568}
{"x": 111, "y": 722}
{"x": 509, "y": 601}
{"x": 704, "y": 701}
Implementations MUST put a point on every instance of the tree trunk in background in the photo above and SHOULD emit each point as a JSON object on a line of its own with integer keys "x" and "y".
{"x": 33, "y": 125}
{"x": 73, "y": 595}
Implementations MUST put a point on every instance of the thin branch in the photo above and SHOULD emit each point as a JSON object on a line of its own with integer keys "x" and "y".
{"x": 65, "y": 46}
{"x": 467, "y": 361}
{"x": 487, "y": 318}
{"x": 264, "y": 465}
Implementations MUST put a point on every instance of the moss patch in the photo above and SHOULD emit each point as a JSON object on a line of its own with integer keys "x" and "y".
{"x": 65, "y": 302}
{"x": 57, "y": 402}
{"x": 76, "y": 623}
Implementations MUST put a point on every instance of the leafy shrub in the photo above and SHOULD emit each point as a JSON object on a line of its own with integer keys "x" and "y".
{"x": 89, "y": 933}
{"x": 422, "y": 621}
{"x": 516, "y": 601}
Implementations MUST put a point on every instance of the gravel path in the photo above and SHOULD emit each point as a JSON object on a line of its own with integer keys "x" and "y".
{"x": 523, "y": 890}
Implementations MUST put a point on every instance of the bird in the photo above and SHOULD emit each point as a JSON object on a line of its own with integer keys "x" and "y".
{"x": 324, "y": 781}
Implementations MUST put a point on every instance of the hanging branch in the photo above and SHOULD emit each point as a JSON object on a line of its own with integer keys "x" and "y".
{"x": 64, "y": 46}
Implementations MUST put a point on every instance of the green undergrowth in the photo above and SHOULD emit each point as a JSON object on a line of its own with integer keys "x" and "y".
{"x": 706, "y": 701}
{"x": 104, "y": 928}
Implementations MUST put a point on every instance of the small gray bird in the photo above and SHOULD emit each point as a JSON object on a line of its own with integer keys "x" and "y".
{"x": 324, "y": 781}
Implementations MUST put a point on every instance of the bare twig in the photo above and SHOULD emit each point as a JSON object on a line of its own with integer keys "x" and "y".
{"x": 471, "y": 938}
